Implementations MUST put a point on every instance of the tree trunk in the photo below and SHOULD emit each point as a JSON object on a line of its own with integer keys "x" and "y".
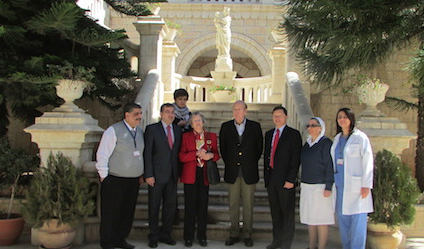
{"x": 419, "y": 158}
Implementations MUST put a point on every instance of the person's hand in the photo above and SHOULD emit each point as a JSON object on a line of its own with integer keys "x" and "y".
{"x": 141, "y": 180}
{"x": 150, "y": 181}
{"x": 365, "y": 192}
{"x": 327, "y": 193}
{"x": 288, "y": 185}
{"x": 200, "y": 153}
{"x": 182, "y": 123}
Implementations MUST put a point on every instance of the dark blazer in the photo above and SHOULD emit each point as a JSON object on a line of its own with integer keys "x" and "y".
{"x": 159, "y": 160}
{"x": 189, "y": 159}
{"x": 287, "y": 156}
{"x": 245, "y": 155}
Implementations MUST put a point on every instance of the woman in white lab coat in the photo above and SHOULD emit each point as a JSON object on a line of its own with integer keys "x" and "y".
{"x": 353, "y": 174}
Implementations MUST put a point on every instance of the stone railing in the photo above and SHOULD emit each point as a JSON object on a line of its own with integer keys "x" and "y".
{"x": 297, "y": 104}
{"x": 251, "y": 90}
{"x": 150, "y": 97}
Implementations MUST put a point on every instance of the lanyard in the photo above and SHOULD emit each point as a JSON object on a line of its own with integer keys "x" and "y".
{"x": 133, "y": 135}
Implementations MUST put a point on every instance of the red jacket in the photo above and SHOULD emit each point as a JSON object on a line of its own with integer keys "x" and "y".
{"x": 188, "y": 156}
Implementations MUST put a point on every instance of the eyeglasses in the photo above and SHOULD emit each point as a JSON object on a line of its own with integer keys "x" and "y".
{"x": 312, "y": 125}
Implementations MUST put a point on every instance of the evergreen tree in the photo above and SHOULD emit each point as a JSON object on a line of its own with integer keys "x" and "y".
{"x": 333, "y": 37}
{"x": 36, "y": 34}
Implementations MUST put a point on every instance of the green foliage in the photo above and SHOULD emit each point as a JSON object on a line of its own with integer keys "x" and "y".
{"x": 395, "y": 191}
{"x": 39, "y": 33}
{"x": 334, "y": 38}
{"x": 230, "y": 89}
{"x": 133, "y": 7}
{"x": 58, "y": 191}
{"x": 13, "y": 164}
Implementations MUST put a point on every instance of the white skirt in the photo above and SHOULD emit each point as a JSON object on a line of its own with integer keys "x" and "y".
{"x": 315, "y": 209}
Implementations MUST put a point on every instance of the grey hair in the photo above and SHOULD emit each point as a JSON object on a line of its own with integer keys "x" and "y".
{"x": 197, "y": 114}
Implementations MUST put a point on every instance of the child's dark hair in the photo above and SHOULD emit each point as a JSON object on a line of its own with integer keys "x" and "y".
{"x": 180, "y": 93}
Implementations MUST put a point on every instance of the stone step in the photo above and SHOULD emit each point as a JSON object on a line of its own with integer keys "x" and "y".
{"x": 216, "y": 213}
{"x": 216, "y": 197}
{"x": 262, "y": 231}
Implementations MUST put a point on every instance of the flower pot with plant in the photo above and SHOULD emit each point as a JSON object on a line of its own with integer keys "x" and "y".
{"x": 59, "y": 198}
{"x": 223, "y": 93}
{"x": 71, "y": 82}
{"x": 14, "y": 163}
{"x": 395, "y": 193}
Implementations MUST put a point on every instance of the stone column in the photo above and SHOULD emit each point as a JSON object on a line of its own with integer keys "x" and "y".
{"x": 278, "y": 72}
{"x": 170, "y": 52}
{"x": 151, "y": 36}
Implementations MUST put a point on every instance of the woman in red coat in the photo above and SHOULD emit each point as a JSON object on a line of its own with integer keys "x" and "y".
{"x": 197, "y": 147}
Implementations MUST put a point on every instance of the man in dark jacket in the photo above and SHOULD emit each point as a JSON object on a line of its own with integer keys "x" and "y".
{"x": 241, "y": 144}
{"x": 281, "y": 164}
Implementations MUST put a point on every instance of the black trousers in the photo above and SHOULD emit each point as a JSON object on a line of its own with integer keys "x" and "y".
{"x": 196, "y": 198}
{"x": 118, "y": 199}
{"x": 166, "y": 193}
{"x": 282, "y": 204}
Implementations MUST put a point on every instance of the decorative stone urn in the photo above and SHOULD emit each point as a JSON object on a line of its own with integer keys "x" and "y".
{"x": 54, "y": 235}
{"x": 371, "y": 93}
{"x": 70, "y": 90}
{"x": 382, "y": 237}
{"x": 224, "y": 96}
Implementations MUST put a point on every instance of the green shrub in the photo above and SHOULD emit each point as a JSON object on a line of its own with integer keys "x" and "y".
{"x": 58, "y": 191}
{"x": 395, "y": 191}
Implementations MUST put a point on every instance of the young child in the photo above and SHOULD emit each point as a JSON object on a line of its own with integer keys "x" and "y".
{"x": 182, "y": 113}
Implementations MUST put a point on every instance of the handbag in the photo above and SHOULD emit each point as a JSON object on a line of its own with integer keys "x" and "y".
{"x": 212, "y": 171}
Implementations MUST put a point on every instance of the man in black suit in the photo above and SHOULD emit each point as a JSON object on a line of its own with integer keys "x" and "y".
{"x": 162, "y": 144}
{"x": 281, "y": 164}
{"x": 241, "y": 144}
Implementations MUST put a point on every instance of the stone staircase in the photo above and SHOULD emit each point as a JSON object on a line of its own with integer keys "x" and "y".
{"x": 216, "y": 114}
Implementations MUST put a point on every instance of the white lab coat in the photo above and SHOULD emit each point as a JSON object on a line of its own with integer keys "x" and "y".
{"x": 358, "y": 173}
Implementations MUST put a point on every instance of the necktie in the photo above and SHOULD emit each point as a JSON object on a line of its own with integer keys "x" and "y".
{"x": 274, "y": 147}
{"x": 168, "y": 129}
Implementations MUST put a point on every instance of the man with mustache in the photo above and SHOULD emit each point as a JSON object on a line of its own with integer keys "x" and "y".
{"x": 120, "y": 166}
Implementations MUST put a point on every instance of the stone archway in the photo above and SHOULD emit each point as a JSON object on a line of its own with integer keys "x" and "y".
{"x": 238, "y": 41}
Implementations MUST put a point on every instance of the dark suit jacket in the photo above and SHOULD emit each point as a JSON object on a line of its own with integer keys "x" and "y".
{"x": 159, "y": 160}
{"x": 245, "y": 155}
{"x": 189, "y": 159}
{"x": 287, "y": 156}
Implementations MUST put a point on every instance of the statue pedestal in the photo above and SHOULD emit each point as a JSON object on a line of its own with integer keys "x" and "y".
{"x": 223, "y": 78}
{"x": 386, "y": 133}
{"x": 224, "y": 64}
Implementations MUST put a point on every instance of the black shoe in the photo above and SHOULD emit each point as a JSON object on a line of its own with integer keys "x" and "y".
{"x": 203, "y": 242}
{"x": 106, "y": 247}
{"x": 125, "y": 245}
{"x": 168, "y": 241}
{"x": 248, "y": 242}
{"x": 153, "y": 244}
{"x": 231, "y": 241}
{"x": 273, "y": 246}
{"x": 188, "y": 243}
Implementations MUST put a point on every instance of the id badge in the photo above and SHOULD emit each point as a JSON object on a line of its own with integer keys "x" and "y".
{"x": 340, "y": 161}
{"x": 136, "y": 153}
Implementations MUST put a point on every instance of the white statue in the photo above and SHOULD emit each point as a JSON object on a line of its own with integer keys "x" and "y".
{"x": 223, "y": 32}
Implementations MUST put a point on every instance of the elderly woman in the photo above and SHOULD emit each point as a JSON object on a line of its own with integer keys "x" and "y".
{"x": 317, "y": 178}
{"x": 197, "y": 147}
{"x": 353, "y": 175}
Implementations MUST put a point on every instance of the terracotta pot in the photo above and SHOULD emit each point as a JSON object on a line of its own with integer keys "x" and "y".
{"x": 11, "y": 230}
{"x": 52, "y": 235}
{"x": 382, "y": 237}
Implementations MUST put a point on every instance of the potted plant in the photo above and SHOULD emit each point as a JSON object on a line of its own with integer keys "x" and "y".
{"x": 371, "y": 92}
{"x": 222, "y": 93}
{"x": 395, "y": 193}
{"x": 59, "y": 198}
{"x": 71, "y": 82}
{"x": 13, "y": 164}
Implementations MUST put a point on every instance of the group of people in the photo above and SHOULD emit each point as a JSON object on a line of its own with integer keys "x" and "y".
{"x": 177, "y": 148}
